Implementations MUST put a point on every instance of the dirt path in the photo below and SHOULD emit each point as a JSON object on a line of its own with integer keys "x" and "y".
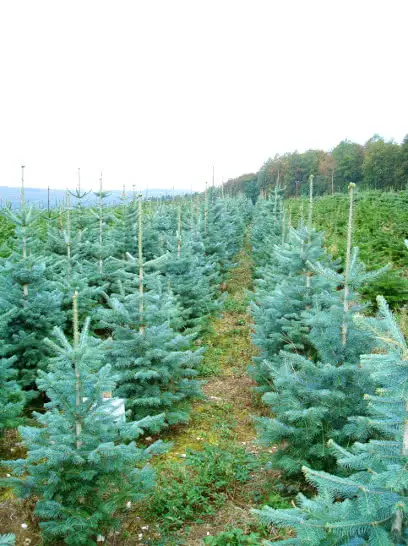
{"x": 229, "y": 391}
{"x": 230, "y": 402}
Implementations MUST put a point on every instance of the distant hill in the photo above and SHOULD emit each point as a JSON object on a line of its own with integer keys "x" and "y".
{"x": 39, "y": 196}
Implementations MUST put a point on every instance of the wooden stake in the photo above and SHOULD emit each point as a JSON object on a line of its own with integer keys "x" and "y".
{"x": 24, "y": 238}
{"x": 100, "y": 263}
{"x": 213, "y": 185}
{"x": 309, "y": 226}
{"x": 206, "y": 208}
{"x": 347, "y": 269}
{"x": 141, "y": 272}
{"x": 310, "y": 218}
{"x": 78, "y": 401}
{"x": 22, "y": 186}
{"x": 178, "y": 231}
{"x": 68, "y": 232}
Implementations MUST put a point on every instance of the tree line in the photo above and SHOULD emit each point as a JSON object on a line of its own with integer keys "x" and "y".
{"x": 378, "y": 164}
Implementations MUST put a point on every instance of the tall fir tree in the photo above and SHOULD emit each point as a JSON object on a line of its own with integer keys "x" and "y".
{"x": 313, "y": 396}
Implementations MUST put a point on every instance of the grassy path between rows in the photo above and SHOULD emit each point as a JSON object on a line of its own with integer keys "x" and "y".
{"x": 225, "y": 418}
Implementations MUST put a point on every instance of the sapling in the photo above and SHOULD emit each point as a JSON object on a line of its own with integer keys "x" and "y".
{"x": 365, "y": 503}
{"x": 12, "y": 397}
{"x": 82, "y": 463}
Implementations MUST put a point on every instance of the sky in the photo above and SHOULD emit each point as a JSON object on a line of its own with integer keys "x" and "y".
{"x": 153, "y": 93}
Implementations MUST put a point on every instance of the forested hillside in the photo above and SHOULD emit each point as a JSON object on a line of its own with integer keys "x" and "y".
{"x": 378, "y": 164}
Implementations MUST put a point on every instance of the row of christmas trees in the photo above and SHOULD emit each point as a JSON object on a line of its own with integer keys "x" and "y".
{"x": 143, "y": 280}
{"x": 335, "y": 383}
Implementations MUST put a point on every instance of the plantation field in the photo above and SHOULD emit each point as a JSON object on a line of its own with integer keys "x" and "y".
{"x": 380, "y": 228}
{"x": 204, "y": 372}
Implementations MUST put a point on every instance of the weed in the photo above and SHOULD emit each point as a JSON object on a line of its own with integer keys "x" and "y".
{"x": 199, "y": 485}
{"x": 210, "y": 365}
{"x": 234, "y": 537}
{"x": 235, "y": 306}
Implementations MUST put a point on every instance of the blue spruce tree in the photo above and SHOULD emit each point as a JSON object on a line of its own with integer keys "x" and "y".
{"x": 367, "y": 503}
{"x": 156, "y": 365}
{"x": 82, "y": 462}
{"x": 192, "y": 278}
{"x": 313, "y": 397}
{"x": 36, "y": 301}
{"x": 12, "y": 398}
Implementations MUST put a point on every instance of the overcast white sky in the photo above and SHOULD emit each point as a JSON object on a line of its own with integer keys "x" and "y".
{"x": 155, "y": 92}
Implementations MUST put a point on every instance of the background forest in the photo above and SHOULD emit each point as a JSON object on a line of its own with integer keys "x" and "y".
{"x": 378, "y": 164}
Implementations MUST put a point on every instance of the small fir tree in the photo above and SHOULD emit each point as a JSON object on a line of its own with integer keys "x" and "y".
{"x": 36, "y": 301}
{"x": 267, "y": 227}
{"x": 312, "y": 398}
{"x": 12, "y": 398}
{"x": 279, "y": 313}
{"x": 156, "y": 365}
{"x": 192, "y": 278}
{"x": 367, "y": 504}
{"x": 79, "y": 463}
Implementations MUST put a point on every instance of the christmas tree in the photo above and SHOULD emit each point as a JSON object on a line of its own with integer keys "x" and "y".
{"x": 35, "y": 300}
{"x": 82, "y": 462}
{"x": 313, "y": 396}
{"x": 367, "y": 503}
{"x": 12, "y": 398}
{"x": 156, "y": 365}
{"x": 279, "y": 312}
{"x": 191, "y": 276}
{"x": 267, "y": 228}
